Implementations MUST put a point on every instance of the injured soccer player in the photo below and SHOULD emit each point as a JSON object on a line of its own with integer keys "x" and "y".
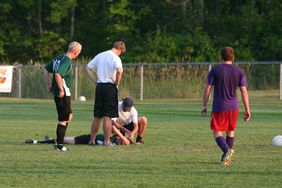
{"x": 117, "y": 138}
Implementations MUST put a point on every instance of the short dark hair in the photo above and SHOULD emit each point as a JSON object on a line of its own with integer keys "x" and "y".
{"x": 227, "y": 54}
{"x": 127, "y": 102}
{"x": 119, "y": 45}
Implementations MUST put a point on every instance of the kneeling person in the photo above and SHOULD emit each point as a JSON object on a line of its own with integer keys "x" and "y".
{"x": 128, "y": 121}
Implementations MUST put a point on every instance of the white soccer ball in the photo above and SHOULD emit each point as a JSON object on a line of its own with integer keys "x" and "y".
{"x": 277, "y": 140}
{"x": 82, "y": 98}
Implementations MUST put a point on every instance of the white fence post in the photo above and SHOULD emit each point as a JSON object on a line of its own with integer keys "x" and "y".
{"x": 76, "y": 82}
{"x": 210, "y": 67}
{"x": 280, "y": 88}
{"x": 141, "y": 82}
{"x": 20, "y": 81}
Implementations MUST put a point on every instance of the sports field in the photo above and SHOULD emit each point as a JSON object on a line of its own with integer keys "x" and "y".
{"x": 179, "y": 149}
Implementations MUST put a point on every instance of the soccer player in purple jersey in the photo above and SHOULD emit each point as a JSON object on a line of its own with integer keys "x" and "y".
{"x": 225, "y": 78}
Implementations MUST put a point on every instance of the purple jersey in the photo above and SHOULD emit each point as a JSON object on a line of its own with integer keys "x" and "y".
{"x": 225, "y": 78}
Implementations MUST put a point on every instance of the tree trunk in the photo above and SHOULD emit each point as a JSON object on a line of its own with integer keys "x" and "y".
{"x": 184, "y": 7}
{"x": 40, "y": 19}
{"x": 72, "y": 22}
{"x": 201, "y": 11}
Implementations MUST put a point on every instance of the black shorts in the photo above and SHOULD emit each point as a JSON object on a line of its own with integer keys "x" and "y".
{"x": 84, "y": 139}
{"x": 106, "y": 100}
{"x": 129, "y": 126}
{"x": 63, "y": 106}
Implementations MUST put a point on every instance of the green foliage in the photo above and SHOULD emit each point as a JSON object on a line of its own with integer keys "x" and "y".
{"x": 51, "y": 44}
{"x": 183, "y": 47}
{"x": 155, "y": 31}
{"x": 59, "y": 10}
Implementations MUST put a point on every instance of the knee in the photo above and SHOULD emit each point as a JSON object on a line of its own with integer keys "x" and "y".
{"x": 142, "y": 120}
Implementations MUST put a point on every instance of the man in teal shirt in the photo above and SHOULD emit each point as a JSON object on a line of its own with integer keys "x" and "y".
{"x": 61, "y": 69}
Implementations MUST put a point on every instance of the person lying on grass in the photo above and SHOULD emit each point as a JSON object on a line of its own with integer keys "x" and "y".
{"x": 117, "y": 138}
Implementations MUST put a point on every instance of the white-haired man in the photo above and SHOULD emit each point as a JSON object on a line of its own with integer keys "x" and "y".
{"x": 61, "y": 68}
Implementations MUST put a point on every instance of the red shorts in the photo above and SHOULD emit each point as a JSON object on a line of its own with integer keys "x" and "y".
{"x": 224, "y": 121}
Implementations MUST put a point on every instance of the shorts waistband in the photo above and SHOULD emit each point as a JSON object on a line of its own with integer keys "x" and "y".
{"x": 108, "y": 83}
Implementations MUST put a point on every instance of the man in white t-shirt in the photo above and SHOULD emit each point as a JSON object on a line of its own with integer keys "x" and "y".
{"x": 109, "y": 70}
{"x": 128, "y": 121}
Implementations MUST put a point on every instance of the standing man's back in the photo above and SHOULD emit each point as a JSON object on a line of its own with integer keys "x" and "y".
{"x": 106, "y": 64}
{"x": 225, "y": 78}
{"x": 109, "y": 70}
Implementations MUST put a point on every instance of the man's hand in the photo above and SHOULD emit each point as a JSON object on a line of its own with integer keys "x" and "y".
{"x": 131, "y": 136}
{"x": 204, "y": 111}
{"x": 247, "y": 116}
{"x": 49, "y": 87}
{"x": 61, "y": 94}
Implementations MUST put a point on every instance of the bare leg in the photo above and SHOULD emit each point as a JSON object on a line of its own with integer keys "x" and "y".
{"x": 230, "y": 133}
{"x": 95, "y": 128}
{"x": 107, "y": 129}
{"x": 142, "y": 125}
{"x": 217, "y": 134}
{"x": 69, "y": 140}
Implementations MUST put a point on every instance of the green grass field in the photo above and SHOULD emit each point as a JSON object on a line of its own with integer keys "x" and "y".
{"x": 179, "y": 149}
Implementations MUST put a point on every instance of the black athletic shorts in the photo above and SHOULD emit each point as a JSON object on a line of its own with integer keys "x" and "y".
{"x": 63, "y": 106}
{"x": 84, "y": 139}
{"x": 106, "y": 100}
{"x": 129, "y": 126}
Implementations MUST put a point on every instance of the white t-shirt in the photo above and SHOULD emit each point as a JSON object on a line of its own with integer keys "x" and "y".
{"x": 126, "y": 117}
{"x": 106, "y": 63}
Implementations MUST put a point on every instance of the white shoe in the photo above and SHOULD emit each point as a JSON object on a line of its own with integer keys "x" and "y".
{"x": 60, "y": 147}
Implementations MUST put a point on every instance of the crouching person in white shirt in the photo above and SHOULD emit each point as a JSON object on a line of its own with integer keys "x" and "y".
{"x": 128, "y": 121}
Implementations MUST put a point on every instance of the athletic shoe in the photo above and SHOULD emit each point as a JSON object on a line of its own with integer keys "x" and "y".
{"x": 226, "y": 157}
{"x": 99, "y": 142}
{"x": 60, "y": 147}
{"x": 139, "y": 142}
{"x": 92, "y": 143}
{"x": 109, "y": 144}
{"x": 232, "y": 153}
{"x": 227, "y": 163}
{"x": 30, "y": 141}
{"x": 46, "y": 138}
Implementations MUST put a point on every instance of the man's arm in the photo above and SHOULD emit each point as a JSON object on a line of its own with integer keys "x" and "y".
{"x": 59, "y": 81}
{"x": 206, "y": 97}
{"x": 245, "y": 98}
{"x": 123, "y": 138}
{"x": 117, "y": 125}
{"x": 91, "y": 74}
{"x": 134, "y": 131}
{"x": 118, "y": 76}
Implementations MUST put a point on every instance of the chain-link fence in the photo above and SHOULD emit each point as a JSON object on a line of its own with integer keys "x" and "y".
{"x": 145, "y": 81}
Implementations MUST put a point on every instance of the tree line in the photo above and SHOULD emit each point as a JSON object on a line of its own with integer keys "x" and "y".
{"x": 153, "y": 30}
